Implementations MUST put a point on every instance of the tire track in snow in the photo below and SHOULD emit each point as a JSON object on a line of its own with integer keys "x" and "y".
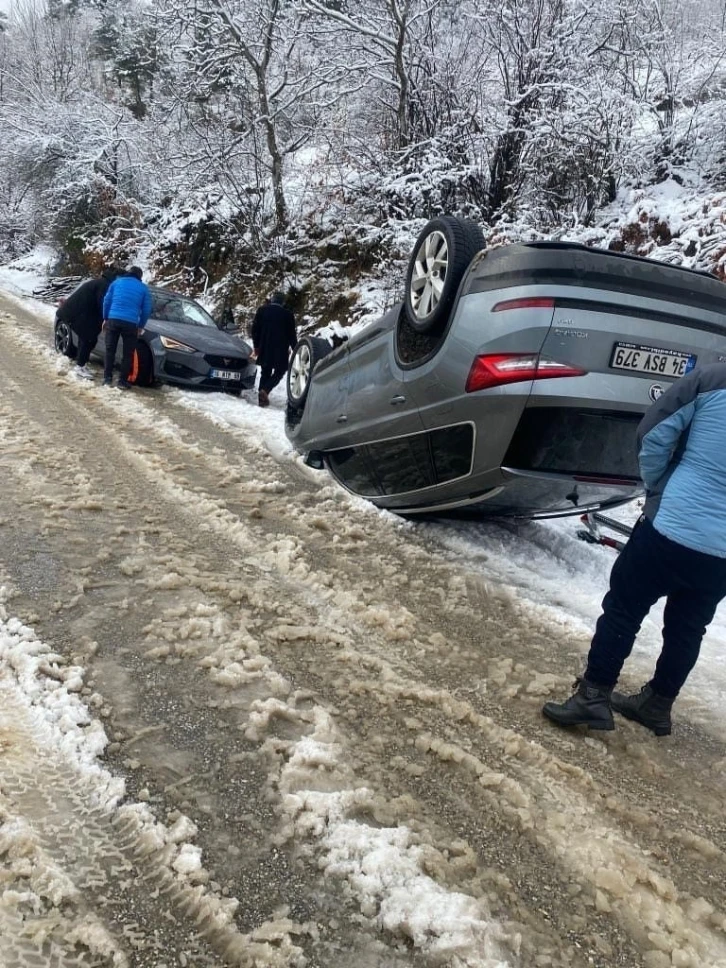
{"x": 48, "y": 458}
{"x": 75, "y": 862}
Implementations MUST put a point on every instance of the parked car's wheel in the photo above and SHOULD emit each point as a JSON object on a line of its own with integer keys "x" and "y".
{"x": 440, "y": 258}
{"x": 142, "y": 366}
{"x": 306, "y": 354}
{"x": 63, "y": 339}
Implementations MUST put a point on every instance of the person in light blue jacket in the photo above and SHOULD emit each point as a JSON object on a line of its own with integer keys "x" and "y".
{"x": 677, "y": 551}
{"x": 126, "y": 308}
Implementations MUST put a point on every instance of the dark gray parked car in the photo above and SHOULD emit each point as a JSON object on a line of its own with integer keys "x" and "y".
{"x": 509, "y": 381}
{"x": 182, "y": 345}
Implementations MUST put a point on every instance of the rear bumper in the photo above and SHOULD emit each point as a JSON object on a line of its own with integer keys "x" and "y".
{"x": 538, "y": 495}
{"x": 568, "y": 460}
{"x": 522, "y": 494}
{"x": 572, "y": 441}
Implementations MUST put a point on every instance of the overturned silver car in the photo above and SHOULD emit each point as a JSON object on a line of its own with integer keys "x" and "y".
{"x": 508, "y": 382}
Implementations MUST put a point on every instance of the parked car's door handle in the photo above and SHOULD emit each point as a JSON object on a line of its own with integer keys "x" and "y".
{"x": 343, "y": 418}
{"x": 397, "y": 399}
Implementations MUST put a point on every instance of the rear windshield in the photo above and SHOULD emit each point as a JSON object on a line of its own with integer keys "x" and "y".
{"x": 176, "y": 309}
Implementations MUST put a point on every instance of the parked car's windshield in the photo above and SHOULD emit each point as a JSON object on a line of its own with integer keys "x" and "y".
{"x": 176, "y": 309}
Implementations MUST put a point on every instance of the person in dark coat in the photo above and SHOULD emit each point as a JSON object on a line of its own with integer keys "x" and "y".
{"x": 83, "y": 311}
{"x": 273, "y": 336}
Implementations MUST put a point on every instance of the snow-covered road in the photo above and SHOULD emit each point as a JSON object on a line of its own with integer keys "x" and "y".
{"x": 248, "y": 720}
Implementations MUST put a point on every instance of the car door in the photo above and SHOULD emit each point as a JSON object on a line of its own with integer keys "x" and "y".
{"x": 99, "y": 351}
{"x": 386, "y": 451}
{"x": 378, "y": 406}
{"x": 323, "y": 426}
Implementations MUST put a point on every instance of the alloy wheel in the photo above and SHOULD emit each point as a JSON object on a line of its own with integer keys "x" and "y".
{"x": 300, "y": 371}
{"x": 62, "y": 337}
{"x": 429, "y": 274}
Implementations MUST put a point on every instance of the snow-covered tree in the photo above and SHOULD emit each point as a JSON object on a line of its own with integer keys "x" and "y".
{"x": 292, "y": 124}
{"x": 127, "y": 41}
{"x": 248, "y": 88}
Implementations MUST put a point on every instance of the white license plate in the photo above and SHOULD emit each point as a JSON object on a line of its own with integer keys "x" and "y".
{"x": 651, "y": 359}
{"x": 225, "y": 375}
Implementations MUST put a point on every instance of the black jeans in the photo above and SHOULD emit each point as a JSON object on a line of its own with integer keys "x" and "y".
{"x": 129, "y": 334}
{"x": 85, "y": 348}
{"x": 270, "y": 376}
{"x": 650, "y": 567}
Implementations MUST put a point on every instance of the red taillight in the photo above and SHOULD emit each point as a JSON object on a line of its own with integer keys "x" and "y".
{"x": 533, "y": 302}
{"x": 496, "y": 369}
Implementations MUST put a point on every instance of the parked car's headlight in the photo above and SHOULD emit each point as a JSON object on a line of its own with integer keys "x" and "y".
{"x": 173, "y": 344}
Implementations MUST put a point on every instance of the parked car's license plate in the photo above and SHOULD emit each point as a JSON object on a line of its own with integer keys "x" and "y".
{"x": 651, "y": 359}
{"x": 225, "y": 375}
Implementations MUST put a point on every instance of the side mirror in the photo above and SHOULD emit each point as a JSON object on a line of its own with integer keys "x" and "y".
{"x": 315, "y": 460}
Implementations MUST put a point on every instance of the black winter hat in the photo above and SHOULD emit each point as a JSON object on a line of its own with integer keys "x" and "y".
{"x": 136, "y": 272}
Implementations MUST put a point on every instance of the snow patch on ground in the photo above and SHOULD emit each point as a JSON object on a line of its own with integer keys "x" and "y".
{"x": 22, "y": 276}
{"x": 382, "y": 866}
{"x": 49, "y": 689}
{"x": 42, "y": 720}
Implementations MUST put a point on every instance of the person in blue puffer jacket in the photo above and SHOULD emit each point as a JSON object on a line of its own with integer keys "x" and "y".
{"x": 677, "y": 551}
{"x": 126, "y": 308}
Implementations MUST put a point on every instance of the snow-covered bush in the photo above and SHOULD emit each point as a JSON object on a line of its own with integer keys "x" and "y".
{"x": 246, "y": 145}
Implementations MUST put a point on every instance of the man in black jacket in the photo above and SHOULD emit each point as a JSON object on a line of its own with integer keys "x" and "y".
{"x": 273, "y": 335}
{"x": 83, "y": 311}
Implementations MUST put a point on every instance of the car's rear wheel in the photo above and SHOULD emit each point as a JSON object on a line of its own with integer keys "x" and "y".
{"x": 306, "y": 354}
{"x": 441, "y": 256}
{"x": 142, "y": 366}
{"x": 63, "y": 339}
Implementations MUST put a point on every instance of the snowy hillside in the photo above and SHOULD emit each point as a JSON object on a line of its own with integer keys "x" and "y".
{"x": 239, "y": 146}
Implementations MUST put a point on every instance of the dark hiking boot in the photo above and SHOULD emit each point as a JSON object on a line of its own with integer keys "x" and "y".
{"x": 647, "y": 708}
{"x": 263, "y": 398}
{"x": 589, "y": 706}
{"x": 123, "y": 385}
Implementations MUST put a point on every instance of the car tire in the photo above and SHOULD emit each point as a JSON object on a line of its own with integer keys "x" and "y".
{"x": 308, "y": 351}
{"x": 63, "y": 339}
{"x": 142, "y": 367}
{"x": 441, "y": 256}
